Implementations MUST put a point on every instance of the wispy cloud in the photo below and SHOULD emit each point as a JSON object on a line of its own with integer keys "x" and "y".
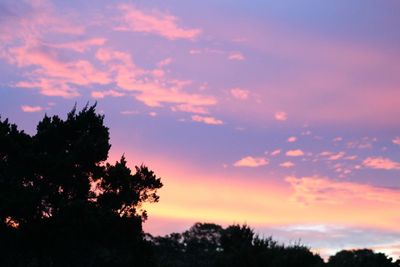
{"x": 151, "y": 89}
{"x": 314, "y": 190}
{"x": 275, "y": 152}
{"x": 102, "y": 94}
{"x": 80, "y": 46}
{"x": 287, "y": 164}
{"x": 239, "y": 93}
{"x": 154, "y": 22}
{"x": 164, "y": 62}
{"x": 236, "y": 56}
{"x": 381, "y": 163}
{"x": 190, "y": 108}
{"x": 31, "y": 109}
{"x": 250, "y": 161}
{"x": 52, "y": 75}
{"x": 129, "y": 112}
{"x": 207, "y": 120}
{"x": 332, "y": 155}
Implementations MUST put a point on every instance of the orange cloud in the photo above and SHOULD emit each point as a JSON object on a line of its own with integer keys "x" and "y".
{"x": 381, "y": 163}
{"x": 31, "y": 109}
{"x": 295, "y": 153}
{"x": 164, "y": 25}
{"x": 207, "y": 120}
{"x": 250, "y": 161}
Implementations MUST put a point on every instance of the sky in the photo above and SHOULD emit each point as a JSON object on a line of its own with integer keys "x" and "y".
{"x": 280, "y": 114}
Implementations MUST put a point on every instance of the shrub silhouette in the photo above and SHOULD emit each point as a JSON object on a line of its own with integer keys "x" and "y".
{"x": 62, "y": 205}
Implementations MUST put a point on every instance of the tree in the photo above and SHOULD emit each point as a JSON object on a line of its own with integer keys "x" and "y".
{"x": 60, "y": 202}
{"x": 208, "y": 245}
{"x": 360, "y": 257}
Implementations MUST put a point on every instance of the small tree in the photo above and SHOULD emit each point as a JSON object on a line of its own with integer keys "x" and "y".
{"x": 61, "y": 203}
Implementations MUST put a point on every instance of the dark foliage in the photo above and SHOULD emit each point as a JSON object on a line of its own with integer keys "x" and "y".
{"x": 62, "y": 205}
{"x": 236, "y": 246}
{"x": 361, "y": 258}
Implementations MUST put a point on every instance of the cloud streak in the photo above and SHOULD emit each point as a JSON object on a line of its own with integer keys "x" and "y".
{"x": 154, "y": 22}
{"x": 381, "y": 163}
{"x": 31, "y": 109}
{"x": 314, "y": 190}
{"x": 207, "y": 120}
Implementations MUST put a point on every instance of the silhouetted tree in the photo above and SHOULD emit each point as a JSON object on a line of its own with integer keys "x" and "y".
{"x": 360, "y": 258}
{"x": 206, "y": 244}
{"x": 62, "y": 205}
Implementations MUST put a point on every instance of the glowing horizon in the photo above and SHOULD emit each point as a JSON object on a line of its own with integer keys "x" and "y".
{"x": 284, "y": 116}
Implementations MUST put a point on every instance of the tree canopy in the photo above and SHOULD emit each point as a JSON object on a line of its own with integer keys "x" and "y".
{"x": 62, "y": 204}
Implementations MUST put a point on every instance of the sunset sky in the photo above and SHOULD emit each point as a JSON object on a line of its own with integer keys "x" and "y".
{"x": 284, "y": 115}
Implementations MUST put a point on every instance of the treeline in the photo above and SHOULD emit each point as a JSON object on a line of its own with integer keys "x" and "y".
{"x": 63, "y": 205}
{"x": 207, "y": 244}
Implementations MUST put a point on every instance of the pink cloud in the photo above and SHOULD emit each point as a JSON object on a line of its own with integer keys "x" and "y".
{"x": 337, "y": 139}
{"x": 287, "y": 164}
{"x": 275, "y": 152}
{"x": 164, "y": 25}
{"x": 292, "y": 139}
{"x": 336, "y": 156}
{"x": 102, "y": 94}
{"x": 164, "y": 62}
{"x": 190, "y": 109}
{"x": 396, "y": 141}
{"x": 331, "y": 155}
{"x": 31, "y": 109}
{"x": 151, "y": 89}
{"x": 207, "y": 120}
{"x": 236, "y": 56}
{"x": 239, "y": 93}
{"x": 295, "y": 153}
{"x": 250, "y": 161}
{"x": 281, "y": 116}
{"x": 381, "y": 163}
{"x": 80, "y": 46}
{"x": 317, "y": 190}
{"x": 52, "y": 75}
